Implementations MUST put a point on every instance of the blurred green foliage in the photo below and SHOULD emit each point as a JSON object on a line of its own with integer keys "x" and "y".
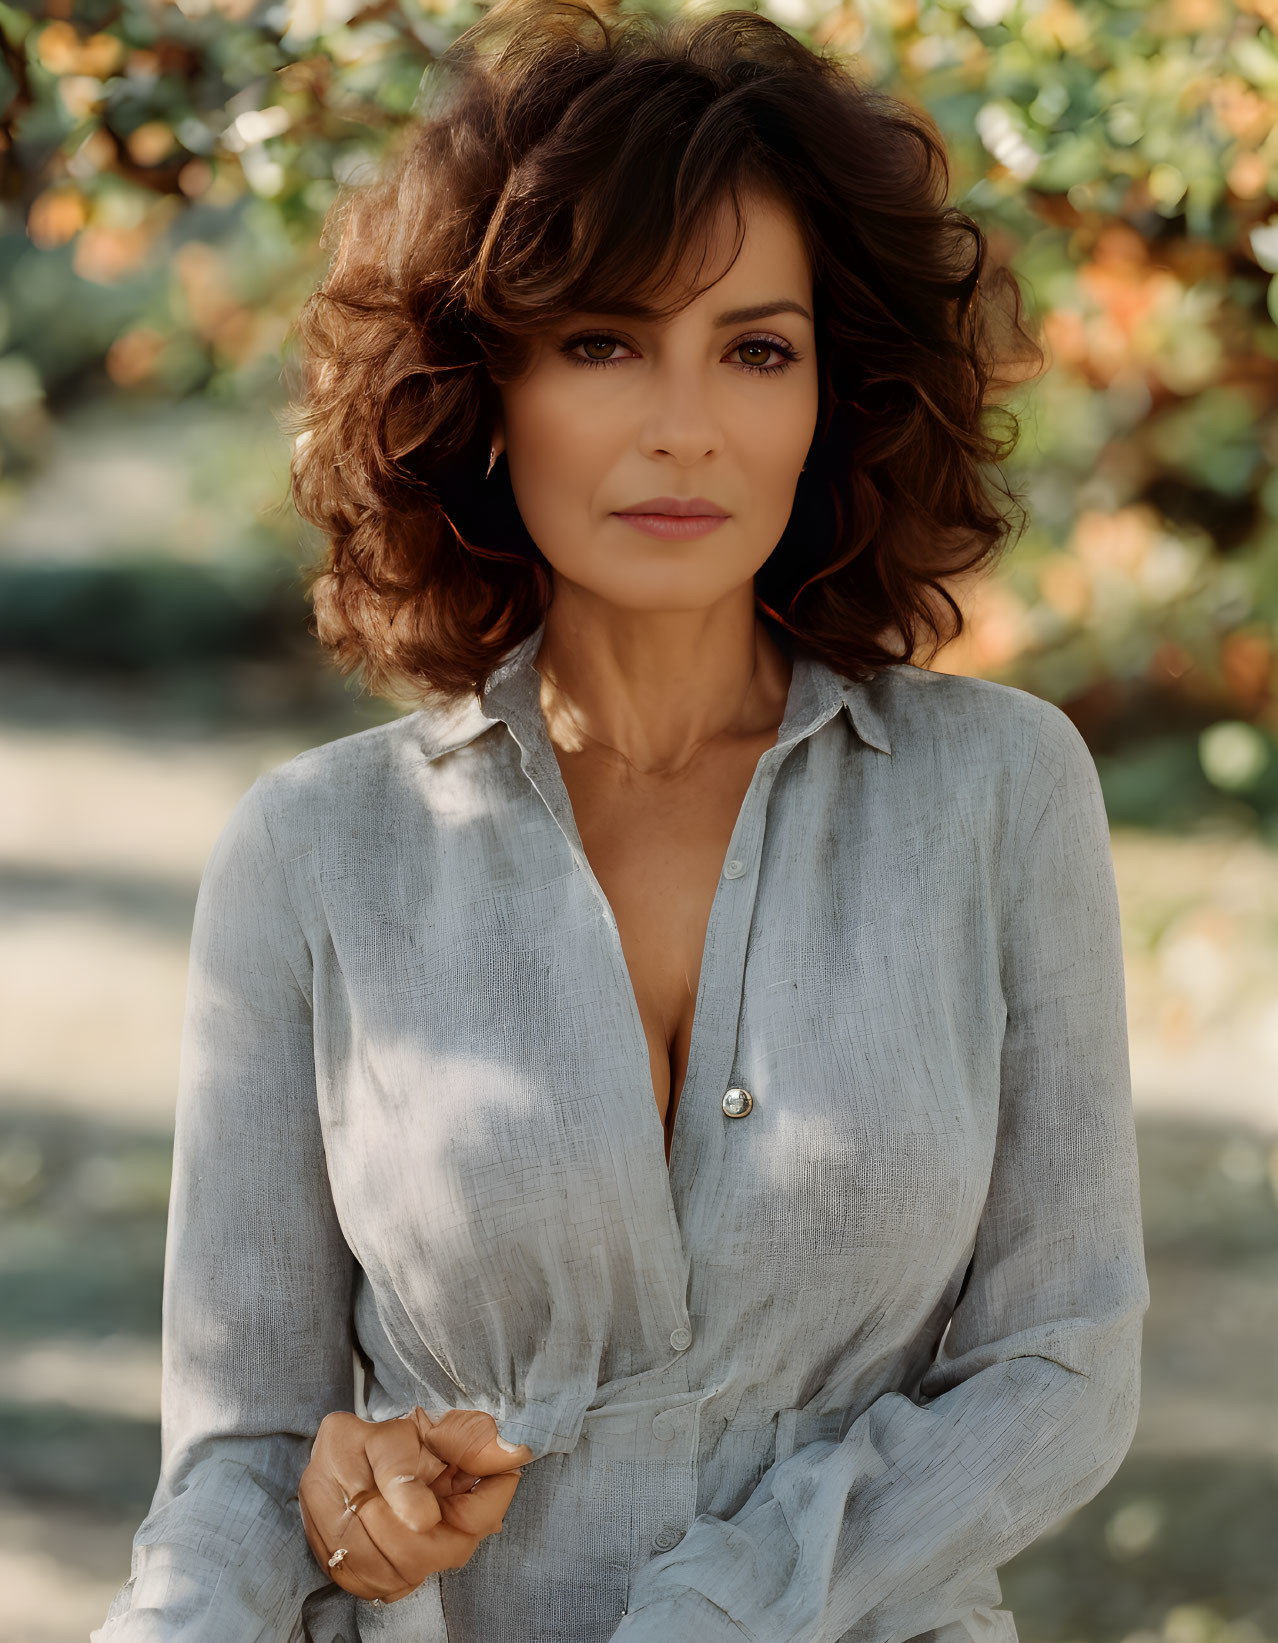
{"x": 167, "y": 165}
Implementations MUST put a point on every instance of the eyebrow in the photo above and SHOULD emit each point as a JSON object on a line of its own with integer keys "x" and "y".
{"x": 732, "y": 316}
{"x": 761, "y": 310}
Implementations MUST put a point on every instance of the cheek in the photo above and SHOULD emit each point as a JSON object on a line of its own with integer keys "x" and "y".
{"x": 560, "y": 450}
{"x": 552, "y": 423}
{"x": 773, "y": 437}
{"x": 782, "y": 428}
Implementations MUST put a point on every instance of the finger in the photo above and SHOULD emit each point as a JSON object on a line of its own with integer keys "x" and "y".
{"x": 388, "y": 1554}
{"x": 462, "y": 1481}
{"x": 382, "y": 1549}
{"x": 469, "y": 1440}
{"x": 445, "y": 1481}
{"x": 481, "y": 1510}
{"x": 360, "y": 1567}
{"x": 386, "y": 1559}
{"x": 403, "y": 1468}
{"x": 397, "y": 1444}
{"x": 348, "y": 1509}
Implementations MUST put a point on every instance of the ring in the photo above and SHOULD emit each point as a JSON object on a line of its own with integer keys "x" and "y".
{"x": 338, "y": 1555}
{"x": 362, "y": 1497}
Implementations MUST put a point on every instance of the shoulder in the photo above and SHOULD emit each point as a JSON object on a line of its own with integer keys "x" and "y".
{"x": 355, "y": 782}
{"x": 996, "y": 748}
{"x": 1009, "y": 767}
{"x": 978, "y": 721}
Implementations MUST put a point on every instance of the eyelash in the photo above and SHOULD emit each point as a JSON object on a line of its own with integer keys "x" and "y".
{"x": 789, "y": 354}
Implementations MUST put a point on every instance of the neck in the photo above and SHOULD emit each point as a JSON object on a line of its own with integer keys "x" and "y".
{"x": 650, "y": 689}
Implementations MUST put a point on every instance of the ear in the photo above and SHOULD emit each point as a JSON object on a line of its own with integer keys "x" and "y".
{"x": 498, "y": 442}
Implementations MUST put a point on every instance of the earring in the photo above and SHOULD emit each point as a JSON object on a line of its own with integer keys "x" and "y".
{"x": 492, "y": 459}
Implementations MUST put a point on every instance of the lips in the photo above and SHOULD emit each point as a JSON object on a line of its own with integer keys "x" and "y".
{"x": 693, "y": 507}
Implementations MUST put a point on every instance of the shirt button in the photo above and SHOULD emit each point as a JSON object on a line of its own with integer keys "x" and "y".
{"x": 737, "y": 1102}
{"x": 733, "y": 869}
{"x": 680, "y": 1339}
{"x": 663, "y": 1427}
{"x": 665, "y": 1538}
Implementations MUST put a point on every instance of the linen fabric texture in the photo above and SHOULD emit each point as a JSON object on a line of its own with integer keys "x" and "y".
{"x": 814, "y": 1381}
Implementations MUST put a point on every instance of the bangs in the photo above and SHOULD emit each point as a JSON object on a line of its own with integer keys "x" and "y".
{"x": 615, "y": 210}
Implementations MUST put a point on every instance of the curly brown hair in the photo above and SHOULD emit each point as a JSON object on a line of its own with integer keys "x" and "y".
{"x": 561, "y": 159}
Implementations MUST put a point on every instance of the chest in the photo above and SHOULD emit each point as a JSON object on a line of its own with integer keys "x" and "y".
{"x": 657, "y": 847}
{"x": 483, "y": 1025}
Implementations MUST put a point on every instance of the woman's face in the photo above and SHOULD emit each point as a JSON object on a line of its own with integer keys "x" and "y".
{"x": 712, "y": 403}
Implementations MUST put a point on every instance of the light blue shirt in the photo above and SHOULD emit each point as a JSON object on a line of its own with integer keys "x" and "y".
{"x": 816, "y": 1380}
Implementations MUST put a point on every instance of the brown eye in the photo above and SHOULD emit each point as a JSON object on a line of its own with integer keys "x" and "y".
{"x": 604, "y": 343}
{"x": 764, "y": 348}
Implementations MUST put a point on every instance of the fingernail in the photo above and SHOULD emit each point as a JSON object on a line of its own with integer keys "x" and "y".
{"x": 510, "y": 1448}
{"x": 407, "y": 1478}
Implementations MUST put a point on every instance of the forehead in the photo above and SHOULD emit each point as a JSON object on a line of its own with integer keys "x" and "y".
{"x": 772, "y": 245}
{"x": 771, "y": 265}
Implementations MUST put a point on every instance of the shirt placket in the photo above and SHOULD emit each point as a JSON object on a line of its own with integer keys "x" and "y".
{"x": 710, "y": 1086}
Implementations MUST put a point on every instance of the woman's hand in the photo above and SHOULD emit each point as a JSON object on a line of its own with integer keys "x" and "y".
{"x": 424, "y": 1494}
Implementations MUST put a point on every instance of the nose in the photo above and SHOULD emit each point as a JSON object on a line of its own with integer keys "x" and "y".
{"x": 681, "y": 420}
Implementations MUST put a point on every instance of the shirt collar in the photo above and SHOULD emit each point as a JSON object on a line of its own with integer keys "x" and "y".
{"x": 511, "y": 695}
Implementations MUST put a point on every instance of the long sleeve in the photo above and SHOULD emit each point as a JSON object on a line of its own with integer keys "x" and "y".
{"x": 1031, "y": 1402}
{"x": 257, "y": 1338}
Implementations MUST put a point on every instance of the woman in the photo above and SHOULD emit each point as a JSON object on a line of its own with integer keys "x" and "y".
{"x": 681, "y": 1065}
